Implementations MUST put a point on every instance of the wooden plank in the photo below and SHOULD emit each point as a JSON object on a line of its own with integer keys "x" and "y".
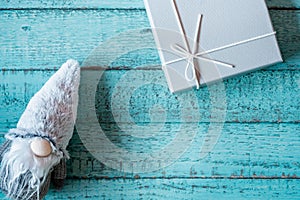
{"x": 177, "y": 189}
{"x": 273, "y": 4}
{"x": 44, "y": 39}
{"x": 17, "y": 88}
{"x": 263, "y": 96}
{"x": 73, "y": 4}
{"x": 239, "y": 150}
{"x": 14, "y": 4}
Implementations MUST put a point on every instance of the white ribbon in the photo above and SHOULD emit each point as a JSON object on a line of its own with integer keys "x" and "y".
{"x": 190, "y": 56}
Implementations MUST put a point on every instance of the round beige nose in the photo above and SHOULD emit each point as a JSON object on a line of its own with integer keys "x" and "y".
{"x": 41, "y": 147}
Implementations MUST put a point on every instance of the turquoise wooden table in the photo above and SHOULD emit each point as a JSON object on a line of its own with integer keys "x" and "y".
{"x": 253, "y": 151}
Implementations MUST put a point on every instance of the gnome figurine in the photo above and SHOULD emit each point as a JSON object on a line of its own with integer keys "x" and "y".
{"x": 35, "y": 151}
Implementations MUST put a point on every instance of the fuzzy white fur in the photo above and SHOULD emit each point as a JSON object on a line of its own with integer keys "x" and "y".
{"x": 51, "y": 112}
{"x": 24, "y": 170}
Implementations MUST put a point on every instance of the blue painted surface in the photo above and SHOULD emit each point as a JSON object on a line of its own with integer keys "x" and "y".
{"x": 256, "y": 154}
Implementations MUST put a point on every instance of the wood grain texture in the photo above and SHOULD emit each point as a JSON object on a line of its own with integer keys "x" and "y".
{"x": 263, "y": 96}
{"x": 14, "y": 4}
{"x": 287, "y": 4}
{"x": 43, "y": 39}
{"x": 240, "y": 151}
{"x": 176, "y": 189}
{"x": 246, "y": 150}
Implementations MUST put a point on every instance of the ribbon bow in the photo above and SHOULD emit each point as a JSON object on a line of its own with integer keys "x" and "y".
{"x": 185, "y": 53}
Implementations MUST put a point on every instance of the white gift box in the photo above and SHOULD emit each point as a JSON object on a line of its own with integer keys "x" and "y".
{"x": 202, "y": 41}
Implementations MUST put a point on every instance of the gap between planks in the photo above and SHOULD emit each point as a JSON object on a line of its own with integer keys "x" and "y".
{"x": 188, "y": 178}
{"x": 100, "y": 68}
{"x": 107, "y": 9}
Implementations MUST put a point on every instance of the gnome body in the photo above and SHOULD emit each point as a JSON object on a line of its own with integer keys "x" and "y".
{"x": 37, "y": 146}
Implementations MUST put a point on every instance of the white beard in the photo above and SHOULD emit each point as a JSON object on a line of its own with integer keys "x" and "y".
{"x": 24, "y": 172}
